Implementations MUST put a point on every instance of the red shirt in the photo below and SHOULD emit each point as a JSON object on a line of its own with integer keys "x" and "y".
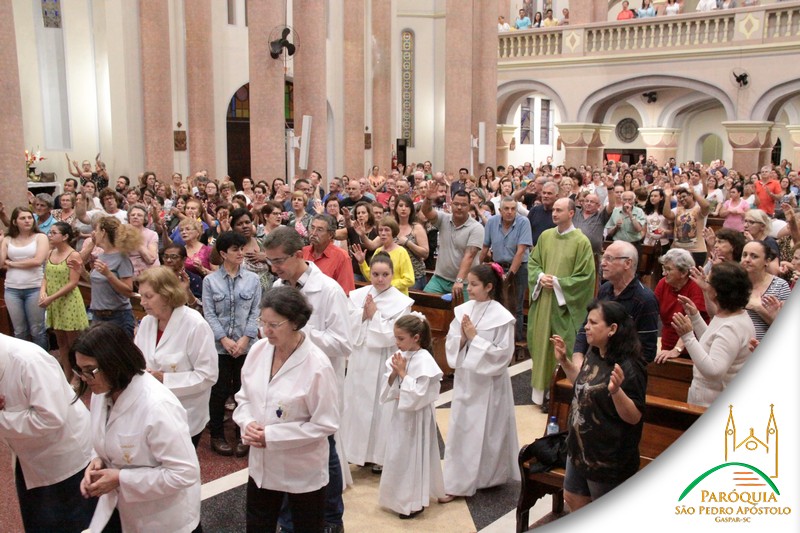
{"x": 668, "y": 305}
{"x": 334, "y": 263}
{"x": 625, "y": 15}
{"x": 765, "y": 202}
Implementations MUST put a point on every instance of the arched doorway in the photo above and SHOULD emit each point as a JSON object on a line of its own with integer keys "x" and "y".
{"x": 238, "y": 128}
{"x": 709, "y": 148}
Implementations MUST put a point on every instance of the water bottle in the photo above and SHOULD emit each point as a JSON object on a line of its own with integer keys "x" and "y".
{"x": 552, "y": 426}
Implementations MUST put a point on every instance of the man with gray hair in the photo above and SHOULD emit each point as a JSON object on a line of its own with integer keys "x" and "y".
{"x": 323, "y": 252}
{"x": 619, "y": 262}
{"x": 508, "y": 238}
{"x": 42, "y": 206}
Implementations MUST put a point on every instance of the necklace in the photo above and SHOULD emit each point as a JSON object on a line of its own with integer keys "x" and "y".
{"x": 274, "y": 370}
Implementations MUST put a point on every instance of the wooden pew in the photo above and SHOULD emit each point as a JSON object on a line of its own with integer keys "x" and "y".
{"x": 664, "y": 421}
{"x": 670, "y": 379}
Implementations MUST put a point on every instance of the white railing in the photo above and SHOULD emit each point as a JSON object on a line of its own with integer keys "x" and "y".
{"x": 758, "y": 25}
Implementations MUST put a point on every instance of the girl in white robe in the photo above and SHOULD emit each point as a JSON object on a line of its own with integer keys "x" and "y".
{"x": 482, "y": 445}
{"x": 412, "y": 474}
{"x": 373, "y": 312}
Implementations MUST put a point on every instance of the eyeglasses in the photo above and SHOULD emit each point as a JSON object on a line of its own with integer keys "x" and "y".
{"x": 271, "y": 325}
{"x": 85, "y": 374}
{"x": 278, "y": 260}
{"x": 748, "y": 221}
{"x": 609, "y": 258}
{"x": 171, "y": 257}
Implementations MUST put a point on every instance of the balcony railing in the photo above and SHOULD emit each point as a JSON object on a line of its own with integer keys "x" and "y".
{"x": 739, "y": 27}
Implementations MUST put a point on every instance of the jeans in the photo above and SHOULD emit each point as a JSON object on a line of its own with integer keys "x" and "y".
{"x": 26, "y": 315}
{"x": 334, "y": 506}
{"x": 229, "y": 382}
{"x": 122, "y": 318}
{"x": 521, "y": 284}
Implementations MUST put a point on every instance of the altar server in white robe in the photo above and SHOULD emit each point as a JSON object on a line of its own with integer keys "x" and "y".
{"x": 177, "y": 344}
{"x": 47, "y": 429}
{"x": 145, "y": 469}
{"x": 373, "y": 312}
{"x": 412, "y": 472}
{"x": 482, "y": 443}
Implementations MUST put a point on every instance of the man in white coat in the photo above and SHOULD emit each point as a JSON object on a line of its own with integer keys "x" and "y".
{"x": 49, "y": 434}
{"x": 329, "y": 330}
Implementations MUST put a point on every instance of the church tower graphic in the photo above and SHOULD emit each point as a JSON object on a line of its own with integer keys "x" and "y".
{"x": 761, "y": 452}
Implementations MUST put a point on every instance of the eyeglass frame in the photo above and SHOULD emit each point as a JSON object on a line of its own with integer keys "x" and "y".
{"x": 87, "y": 374}
{"x": 610, "y": 258}
{"x": 271, "y": 325}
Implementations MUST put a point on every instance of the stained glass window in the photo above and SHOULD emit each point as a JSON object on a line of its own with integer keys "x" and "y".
{"x": 407, "y": 87}
{"x": 51, "y": 13}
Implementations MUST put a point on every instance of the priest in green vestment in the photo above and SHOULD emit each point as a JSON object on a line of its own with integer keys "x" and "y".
{"x": 561, "y": 278}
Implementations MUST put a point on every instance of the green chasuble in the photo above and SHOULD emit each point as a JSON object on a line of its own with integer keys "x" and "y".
{"x": 569, "y": 258}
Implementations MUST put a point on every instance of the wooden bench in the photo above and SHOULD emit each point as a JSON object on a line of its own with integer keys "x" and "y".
{"x": 670, "y": 379}
{"x": 665, "y": 420}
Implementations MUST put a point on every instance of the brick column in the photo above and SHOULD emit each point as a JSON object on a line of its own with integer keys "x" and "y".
{"x": 458, "y": 86}
{"x": 200, "y": 87}
{"x": 594, "y": 154}
{"x": 382, "y": 85}
{"x": 267, "y": 80}
{"x": 156, "y": 87}
{"x": 586, "y": 11}
{"x": 310, "y": 83}
{"x": 505, "y": 132}
{"x": 747, "y": 138}
{"x": 12, "y": 139}
{"x": 484, "y": 79}
{"x": 354, "y": 89}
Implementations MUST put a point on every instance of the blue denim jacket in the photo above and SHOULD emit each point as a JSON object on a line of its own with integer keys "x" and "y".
{"x": 231, "y": 305}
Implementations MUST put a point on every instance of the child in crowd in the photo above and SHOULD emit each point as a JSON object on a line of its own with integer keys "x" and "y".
{"x": 482, "y": 444}
{"x": 373, "y": 312}
{"x": 411, "y": 470}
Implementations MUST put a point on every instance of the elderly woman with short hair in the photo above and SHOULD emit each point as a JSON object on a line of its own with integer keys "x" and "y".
{"x": 178, "y": 345}
{"x": 677, "y": 265}
{"x": 287, "y": 408}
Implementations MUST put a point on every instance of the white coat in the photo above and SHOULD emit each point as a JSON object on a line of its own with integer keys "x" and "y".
{"x": 329, "y": 330}
{"x": 412, "y": 472}
{"x": 187, "y": 356}
{"x": 482, "y": 444}
{"x": 364, "y": 418}
{"x": 298, "y": 408}
{"x": 47, "y": 432}
{"x": 146, "y": 437}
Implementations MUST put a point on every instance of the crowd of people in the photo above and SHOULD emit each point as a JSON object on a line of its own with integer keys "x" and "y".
{"x": 250, "y": 299}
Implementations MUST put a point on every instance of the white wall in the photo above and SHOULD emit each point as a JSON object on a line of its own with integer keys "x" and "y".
{"x": 620, "y": 113}
{"x": 537, "y": 152}
{"x": 426, "y": 20}
{"x": 696, "y": 126}
{"x": 231, "y": 71}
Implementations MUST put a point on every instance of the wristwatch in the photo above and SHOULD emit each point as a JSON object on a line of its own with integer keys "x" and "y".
{"x": 459, "y": 280}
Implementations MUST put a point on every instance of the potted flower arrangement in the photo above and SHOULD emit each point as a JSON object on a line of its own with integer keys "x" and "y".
{"x": 31, "y": 159}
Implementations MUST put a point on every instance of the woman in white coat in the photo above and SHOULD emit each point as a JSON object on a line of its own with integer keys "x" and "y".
{"x": 287, "y": 407}
{"x": 373, "y": 312}
{"x": 144, "y": 469}
{"x": 49, "y": 435}
{"x": 482, "y": 443}
{"x": 178, "y": 345}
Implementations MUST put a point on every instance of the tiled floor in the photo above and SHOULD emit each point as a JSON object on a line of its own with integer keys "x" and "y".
{"x": 224, "y": 479}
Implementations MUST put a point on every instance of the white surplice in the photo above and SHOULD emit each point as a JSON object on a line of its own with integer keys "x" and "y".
{"x": 187, "y": 356}
{"x": 412, "y": 472}
{"x": 364, "y": 418}
{"x": 482, "y": 444}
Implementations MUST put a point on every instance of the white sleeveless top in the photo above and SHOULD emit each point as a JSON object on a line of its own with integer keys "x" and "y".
{"x": 23, "y": 278}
